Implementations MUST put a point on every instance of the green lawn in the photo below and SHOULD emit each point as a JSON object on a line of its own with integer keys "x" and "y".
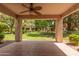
{"x": 9, "y": 37}
{"x": 37, "y": 36}
{"x": 32, "y": 36}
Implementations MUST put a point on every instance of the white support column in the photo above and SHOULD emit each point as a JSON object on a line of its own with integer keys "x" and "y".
{"x": 59, "y": 30}
{"x": 18, "y": 30}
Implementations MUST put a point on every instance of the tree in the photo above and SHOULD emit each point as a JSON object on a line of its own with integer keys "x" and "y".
{"x": 3, "y": 26}
{"x": 28, "y": 24}
{"x": 72, "y": 21}
{"x": 8, "y": 20}
{"x": 43, "y": 24}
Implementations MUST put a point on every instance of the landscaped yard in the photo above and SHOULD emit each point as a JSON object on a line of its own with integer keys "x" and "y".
{"x": 39, "y": 36}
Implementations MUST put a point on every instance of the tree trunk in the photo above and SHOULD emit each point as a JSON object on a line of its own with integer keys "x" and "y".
{"x": 69, "y": 27}
{"x": 11, "y": 30}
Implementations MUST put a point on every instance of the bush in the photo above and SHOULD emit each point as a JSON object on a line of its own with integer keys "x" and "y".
{"x": 74, "y": 38}
{"x": 1, "y": 37}
{"x": 2, "y": 26}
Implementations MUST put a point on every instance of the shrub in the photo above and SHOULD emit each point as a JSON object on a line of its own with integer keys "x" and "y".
{"x": 74, "y": 38}
{"x": 2, "y": 26}
{"x": 72, "y": 35}
{"x": 1, "y": 35}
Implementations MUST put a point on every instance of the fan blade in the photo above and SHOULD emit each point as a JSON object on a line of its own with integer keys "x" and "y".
{"x": 24, "y": 5}
{"x": 38, "y": 8}
{"x": 38, "y": 13}
{"x": 24, "y": 11}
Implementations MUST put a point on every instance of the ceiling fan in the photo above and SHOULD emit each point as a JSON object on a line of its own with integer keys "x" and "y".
{"x": 32, "y": 9}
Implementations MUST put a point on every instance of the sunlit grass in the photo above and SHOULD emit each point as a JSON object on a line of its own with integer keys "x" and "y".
{"x": 9, "y": 37}
{"x": 31, "y": 37}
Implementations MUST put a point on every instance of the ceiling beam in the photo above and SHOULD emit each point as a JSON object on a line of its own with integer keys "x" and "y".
{"x": 7, "y": 11}
{"x": 71, "y": 10}
{"x": 39, "y": 17}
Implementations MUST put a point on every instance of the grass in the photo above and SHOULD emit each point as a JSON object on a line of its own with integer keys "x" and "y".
{"x": 35, "y": 36}
{"x": 32, "y": 36}
{"x": 9, "y": 37}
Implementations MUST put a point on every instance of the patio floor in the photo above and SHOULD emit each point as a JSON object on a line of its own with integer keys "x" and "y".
{"x": 37, "y": 48}
{"x": 7, "y": 42}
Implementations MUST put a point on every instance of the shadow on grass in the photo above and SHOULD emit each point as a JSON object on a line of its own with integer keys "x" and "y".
{"x": 41, "y": 34}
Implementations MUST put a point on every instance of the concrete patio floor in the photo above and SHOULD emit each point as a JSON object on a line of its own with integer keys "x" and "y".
{"x": 37, "y": 48}
{"x": 7, "y": 42}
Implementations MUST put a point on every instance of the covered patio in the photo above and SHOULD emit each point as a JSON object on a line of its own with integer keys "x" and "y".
{"x": 49, "y": 11}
